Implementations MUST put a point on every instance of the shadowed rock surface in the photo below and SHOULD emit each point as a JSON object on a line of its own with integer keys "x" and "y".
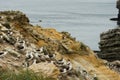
{"x": 110, "y": 44}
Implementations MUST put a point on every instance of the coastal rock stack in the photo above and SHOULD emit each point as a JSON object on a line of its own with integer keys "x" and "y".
{"x": 110, "y": 45}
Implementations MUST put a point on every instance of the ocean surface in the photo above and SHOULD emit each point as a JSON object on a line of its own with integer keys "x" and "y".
{"x": 84, "y": 19}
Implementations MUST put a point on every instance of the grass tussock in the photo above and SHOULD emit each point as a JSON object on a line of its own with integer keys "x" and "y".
{"x": 22, "y": 75}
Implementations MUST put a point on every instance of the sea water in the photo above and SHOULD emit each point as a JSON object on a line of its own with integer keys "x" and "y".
{"x": 84, "y": 19}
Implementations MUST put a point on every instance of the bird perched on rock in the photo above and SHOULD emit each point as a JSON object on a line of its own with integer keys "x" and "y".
{"x": 52, "y": 56}
{"x": 29, "y": 56}
{"x": 20, "y": 45}
{"x": 5, "y": 37}
{"x": 68, "y": 67}
{"x": 95, "y": 77}
{"x": 40, "y": 50}
{"x": 84, "y": 72}
{"x": 62, "y": 61}
{"x": 69, "y": 64}
{"x": 62, "y": 70}
{"x": 3, "y": 53}
{"x": 36, "y": 54}
{"x": 37, "y": 57}
{"x": 9, "y": 33}
{"x": 25, "y": 64}
{"x": 34, "y": 61}
{"x": 46, "y": 56}
{"x": 8, "y": 38}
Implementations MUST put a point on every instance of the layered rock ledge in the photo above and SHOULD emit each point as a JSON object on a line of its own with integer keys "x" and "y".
{"x": 110, "y": 44}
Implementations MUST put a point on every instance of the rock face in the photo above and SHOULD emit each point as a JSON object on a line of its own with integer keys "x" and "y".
{"x": 55, "y": 54}
{"x": 110, "y": 45}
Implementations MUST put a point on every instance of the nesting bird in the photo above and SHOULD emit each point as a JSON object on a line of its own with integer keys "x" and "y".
{"x": 52, "y": 56}
{"x": 37, "y": 57}
{"x": 68, "y": 67}
{"x": 6, "y": 37}
{"x": 3, "y": 53}
{"x": 63, "y": 71}
{"x": 36, "y": 54}
{"x": 65, "y": 67}
{"x": 40, "y": 55}
{"x": 9, "y": 32}
{"x": 29, "y": 56}
{"x": 20, "y": 45}
{"x": 25, "y": 64}
{"x": 69, "y": 64}
{"x": 34, "y": 61}
{"x": 62, "y": 61}
{"x": 84, "y": 72}
{"x": 40, "y": 50}
{"x": 95, "y": 77}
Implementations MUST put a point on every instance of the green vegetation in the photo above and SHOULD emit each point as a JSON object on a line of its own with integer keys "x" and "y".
{"x": 22, "y": 75}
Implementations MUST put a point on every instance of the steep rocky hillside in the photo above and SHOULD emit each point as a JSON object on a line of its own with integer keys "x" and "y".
{"x": 55, "y": 54}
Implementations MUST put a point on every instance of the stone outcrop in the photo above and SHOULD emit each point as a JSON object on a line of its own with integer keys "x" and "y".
{"x": 110, "y": 44}
{"x": 13, "y": 16}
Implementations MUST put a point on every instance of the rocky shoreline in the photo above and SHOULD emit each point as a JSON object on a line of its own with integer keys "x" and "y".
{"x": 53, "y": 53}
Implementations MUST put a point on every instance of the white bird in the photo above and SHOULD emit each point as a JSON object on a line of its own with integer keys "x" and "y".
{"x": 21, "y": 45}
{"x": 25, "y": 64}
{"x": 36, "y": 55}
{"x": 47, "y": 56}
{"x": 5, "y": 37}
{"x": 52, "y": 56}
{"x": 29, "y": 56}
{"x": 41, "y": 49}
{"x": 84, "y": 72}
{"x": 69, "y": 65}
{"x": 3, "y": 53}
{"x": 34, "y": 61}
{"x": 62, "y": 61}
{"x": 63, "y": 70}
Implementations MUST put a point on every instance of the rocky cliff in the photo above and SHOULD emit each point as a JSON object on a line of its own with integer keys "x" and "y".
{"x": 110, "y": 44}
{"x": 55, "y": 54}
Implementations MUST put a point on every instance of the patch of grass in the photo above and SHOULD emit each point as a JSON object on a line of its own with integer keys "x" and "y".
{"x": 22, "y": 75}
